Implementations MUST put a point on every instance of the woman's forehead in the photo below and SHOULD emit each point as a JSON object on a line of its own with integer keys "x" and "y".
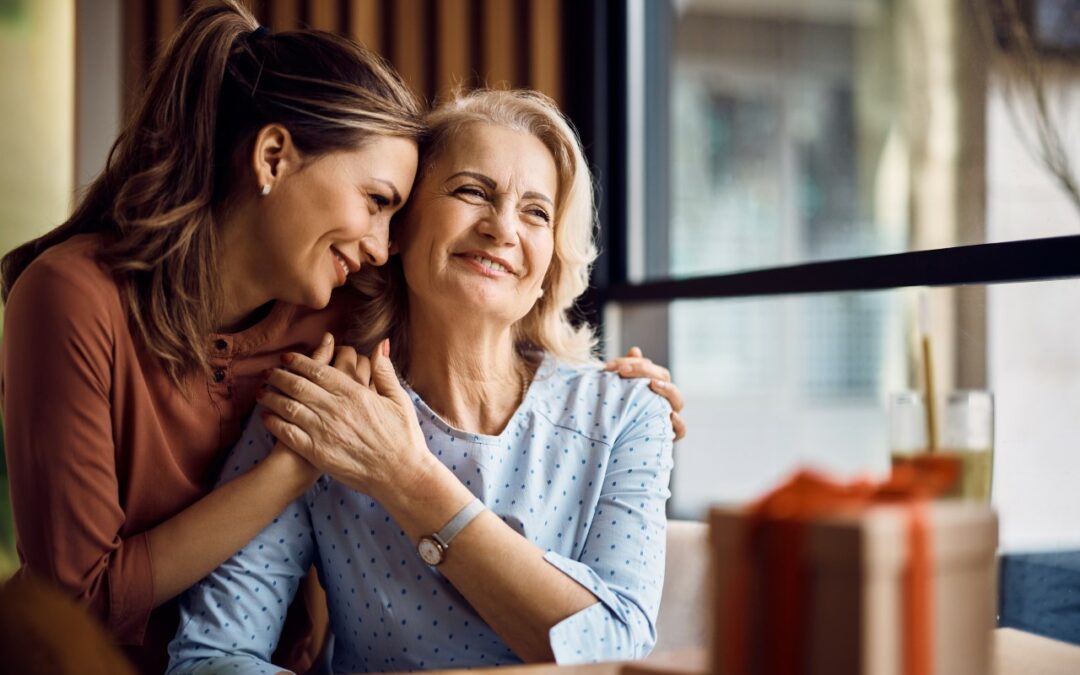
{"x": 498, "y": 148}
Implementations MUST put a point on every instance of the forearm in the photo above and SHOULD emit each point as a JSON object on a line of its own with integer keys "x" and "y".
{"x": 194, "y": 542}
{"x": 503, "y": 575}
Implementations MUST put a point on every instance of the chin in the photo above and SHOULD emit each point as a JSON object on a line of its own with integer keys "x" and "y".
{"x": 313, "y": 298}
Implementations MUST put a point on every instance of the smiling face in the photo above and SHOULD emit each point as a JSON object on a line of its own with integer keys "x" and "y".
{"x": 321, "y": 221}
{"x": 479, "y": 234}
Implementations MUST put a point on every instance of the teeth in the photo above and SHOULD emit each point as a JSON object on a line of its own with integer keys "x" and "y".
{"x": 344, "y": 265}
{"x": 490, "y": 264}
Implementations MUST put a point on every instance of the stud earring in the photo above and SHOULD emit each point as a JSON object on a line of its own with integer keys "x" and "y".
{"x": 265, "y": 190}
{"x": 541, "y": 293}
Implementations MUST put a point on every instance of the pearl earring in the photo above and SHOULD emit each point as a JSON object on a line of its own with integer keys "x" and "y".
{"x": 541, "y": 293}
{"x": 265, "y": 190}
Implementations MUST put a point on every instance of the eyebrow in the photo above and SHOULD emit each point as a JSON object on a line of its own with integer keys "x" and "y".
{"x": 396, "y": 200}
{"x": 491, "y": 185}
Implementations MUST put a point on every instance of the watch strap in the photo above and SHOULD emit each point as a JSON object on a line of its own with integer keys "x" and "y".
{"x": 459, "y": 521}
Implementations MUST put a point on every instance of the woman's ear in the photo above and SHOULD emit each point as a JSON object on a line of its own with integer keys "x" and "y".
{"x": 273, "y": 156}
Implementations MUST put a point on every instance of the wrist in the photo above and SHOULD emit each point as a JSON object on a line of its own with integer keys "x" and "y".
{"x": 292, "y": 475}
{"x": 426, "y": 497}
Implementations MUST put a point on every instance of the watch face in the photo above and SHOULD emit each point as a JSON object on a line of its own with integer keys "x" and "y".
{"x": 430, "y": 551}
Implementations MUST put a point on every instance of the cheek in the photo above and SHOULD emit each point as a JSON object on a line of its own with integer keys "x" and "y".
{"x": 543, "y": 251}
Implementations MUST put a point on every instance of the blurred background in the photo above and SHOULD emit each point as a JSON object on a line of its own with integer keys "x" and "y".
{"x": 727, "y": 136}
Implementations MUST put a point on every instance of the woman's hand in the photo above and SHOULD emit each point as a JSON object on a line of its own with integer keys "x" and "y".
{"x": 299, "y": 465}
{"x": 634, "y": 364}
{"x": 352, "y": 420}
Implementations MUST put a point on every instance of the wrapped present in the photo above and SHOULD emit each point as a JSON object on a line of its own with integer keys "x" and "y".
{"x": 821, "y": 578}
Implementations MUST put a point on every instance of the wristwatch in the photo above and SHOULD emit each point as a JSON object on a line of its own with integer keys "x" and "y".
{"x": 432, "y": 547}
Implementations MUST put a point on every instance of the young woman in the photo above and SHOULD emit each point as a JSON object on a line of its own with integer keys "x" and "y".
{"x": 258, "y": 172}
{"x": 508, "y": 504}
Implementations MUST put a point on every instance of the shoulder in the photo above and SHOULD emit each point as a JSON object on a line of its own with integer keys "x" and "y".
{"x": 68, "y": 274}
{"x": 596, "y": 403}
{"x": 66, "y": 286}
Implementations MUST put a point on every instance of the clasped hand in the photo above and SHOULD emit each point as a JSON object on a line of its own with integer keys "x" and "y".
{"x": 351, "y": 419}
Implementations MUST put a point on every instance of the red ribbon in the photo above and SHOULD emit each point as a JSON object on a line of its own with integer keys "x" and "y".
{"x": 775, "y": 535}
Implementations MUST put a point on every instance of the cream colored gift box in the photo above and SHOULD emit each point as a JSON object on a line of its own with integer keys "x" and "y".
{"x": 853, "y": 591}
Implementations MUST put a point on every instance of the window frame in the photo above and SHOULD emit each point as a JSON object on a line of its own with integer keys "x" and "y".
{"x": 598, "y": 88}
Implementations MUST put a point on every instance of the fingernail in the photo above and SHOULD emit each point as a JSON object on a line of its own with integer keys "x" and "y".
{"x": 386, "y": 347}
{"x": 287, "y": 357}
{"x": 659, "y": 384}
{"x": 327, "y": 339}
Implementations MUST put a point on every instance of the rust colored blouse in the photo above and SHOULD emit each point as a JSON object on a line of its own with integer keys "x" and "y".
{"x": 101, "y": 446}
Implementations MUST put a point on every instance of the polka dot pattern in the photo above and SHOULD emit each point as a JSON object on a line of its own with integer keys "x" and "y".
{"x": 581, "y": 470}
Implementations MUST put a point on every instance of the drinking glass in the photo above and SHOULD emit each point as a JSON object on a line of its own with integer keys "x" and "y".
{"x": 968, "y": 435}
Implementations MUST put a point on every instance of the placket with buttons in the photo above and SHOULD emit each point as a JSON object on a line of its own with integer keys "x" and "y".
{"x": 220, "y": 386}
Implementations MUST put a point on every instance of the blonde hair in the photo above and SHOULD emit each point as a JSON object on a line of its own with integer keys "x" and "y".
{"x": 181, "y": 155}
{"x": 548, "y": 326}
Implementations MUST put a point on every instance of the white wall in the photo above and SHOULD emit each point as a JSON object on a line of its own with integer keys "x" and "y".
{"x": 1033, "y": 335}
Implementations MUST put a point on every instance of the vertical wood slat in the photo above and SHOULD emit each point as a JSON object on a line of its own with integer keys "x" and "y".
{"x": 409, "y": 51}
{"x": 134, "y": 53}
{"x": 323, "y": 14}
{"x": 166, "y": 23}
{"x": 545, "y": 47}
{"x": 453, "y": 39}
{"x": 499, "y": 58}
{"x": 284, "y": 15}
{"x": 366, "y": 24}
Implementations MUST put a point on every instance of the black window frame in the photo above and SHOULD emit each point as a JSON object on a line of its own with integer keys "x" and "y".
{"x": 596, "y": 51}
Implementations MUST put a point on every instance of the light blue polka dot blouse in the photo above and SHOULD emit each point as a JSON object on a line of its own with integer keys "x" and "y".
{"x": 581, "y": 470}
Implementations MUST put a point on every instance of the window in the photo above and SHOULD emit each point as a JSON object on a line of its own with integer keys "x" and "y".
{"x": 782, "y": 181}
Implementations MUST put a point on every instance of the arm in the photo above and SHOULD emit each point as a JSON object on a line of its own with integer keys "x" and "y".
{"x": 370, "y": 441}
{"x": 231, "y": 620}
{"x": 58, "y": 376}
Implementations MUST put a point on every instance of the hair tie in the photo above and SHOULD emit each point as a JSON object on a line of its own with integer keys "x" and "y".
{"x": 259, "y": 32}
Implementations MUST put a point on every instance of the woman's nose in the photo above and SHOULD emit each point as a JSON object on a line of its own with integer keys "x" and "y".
{"x": 500, "y": 225}
{"x": 375, "y": 246}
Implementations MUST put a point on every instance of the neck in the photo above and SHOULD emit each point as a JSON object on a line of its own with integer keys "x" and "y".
{"x": 470, "y": 374}
{"x": 244, "y": 300}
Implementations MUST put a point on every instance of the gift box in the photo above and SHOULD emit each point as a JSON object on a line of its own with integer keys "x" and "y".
{"x": 827, "y": 579}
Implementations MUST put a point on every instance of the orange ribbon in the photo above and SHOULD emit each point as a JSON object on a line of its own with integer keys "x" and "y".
{"x": 775, "y": 534}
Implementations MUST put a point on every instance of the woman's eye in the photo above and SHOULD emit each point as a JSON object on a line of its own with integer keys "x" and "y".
{"x": 380, "y": 201}
{"x": 541, "y": 214}
{"x": 471, "y": 191}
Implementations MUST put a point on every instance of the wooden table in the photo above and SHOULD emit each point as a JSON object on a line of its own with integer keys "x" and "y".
{"x": 1015, "y": 653}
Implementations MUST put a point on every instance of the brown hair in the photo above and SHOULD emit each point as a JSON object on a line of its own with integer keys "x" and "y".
{"x": 548, "y": 326}
{"x": 217, "y": 83}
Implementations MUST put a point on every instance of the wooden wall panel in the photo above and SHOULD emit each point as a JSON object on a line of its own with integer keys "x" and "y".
{"x": 167, "y": 20}
{"x": 545, "y": 47}
{"x": 499, "y": 59}
{"x": 366, "y": 23}
{"x": 134, "y": 52}
{"x": 284, "y": 15}
{"x": 408, "y": 47}
{"x": 324, "y": 15}
{"x": 436, "y": 45}
{"x": 454, "y": 61}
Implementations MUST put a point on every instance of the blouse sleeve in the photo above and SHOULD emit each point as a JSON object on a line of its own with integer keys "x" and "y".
{"x": 622, "y": 563}
{"x": 231, "y": 620}
{"x": 57, "y": 380}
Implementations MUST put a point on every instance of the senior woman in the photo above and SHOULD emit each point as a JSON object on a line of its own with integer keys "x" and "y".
{"x": 505, "y": 503}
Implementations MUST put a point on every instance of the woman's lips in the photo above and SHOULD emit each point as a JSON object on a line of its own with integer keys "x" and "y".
{"x": 341, "y": 268}
{"x": 487, "y": 266}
